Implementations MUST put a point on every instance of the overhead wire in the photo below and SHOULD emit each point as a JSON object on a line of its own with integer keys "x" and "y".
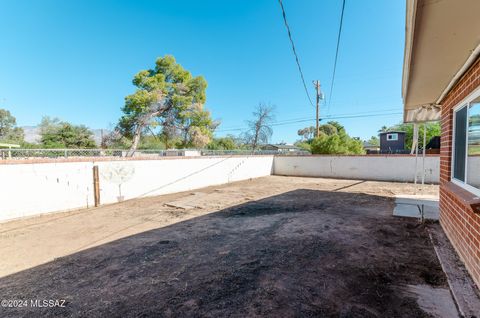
{"x": 336, "y": 57}
{"x": 307, "y": 119}
{"x": 295, "y": 52}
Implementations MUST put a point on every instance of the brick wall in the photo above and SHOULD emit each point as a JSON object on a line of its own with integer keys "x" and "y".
{"x": 460, "y": 223}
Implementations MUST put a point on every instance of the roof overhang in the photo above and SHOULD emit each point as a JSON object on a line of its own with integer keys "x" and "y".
{"x": 441, "y": 41}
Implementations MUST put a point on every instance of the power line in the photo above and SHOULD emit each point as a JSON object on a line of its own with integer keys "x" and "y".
{"x": 301, "y": 120}
{"x": 295, "y": 52}
{"x": 242, "y": 127}
{"x": 334, "y": 117}
{"x": 373, "y": 112}
{"x": 336, "y": 56}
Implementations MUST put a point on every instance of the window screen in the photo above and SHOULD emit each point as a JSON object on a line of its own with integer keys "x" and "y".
{"x": 460, "y": 144}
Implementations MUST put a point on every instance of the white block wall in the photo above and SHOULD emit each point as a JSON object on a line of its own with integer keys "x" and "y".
{"x": 155, "y": 177}
{"x": 29, "y": 189}
{"x": 36, "y": 188}
{"x": 382, "y": 168}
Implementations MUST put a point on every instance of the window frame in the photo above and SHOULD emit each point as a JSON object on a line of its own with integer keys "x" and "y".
{"x": 466, "y": 102}
{"x": 392, "y": 135}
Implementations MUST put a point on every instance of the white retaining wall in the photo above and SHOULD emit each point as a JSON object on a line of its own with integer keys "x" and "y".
{"x": 36, "y": 188}
{"x": 28, "y": 189}
{"x": 382, "y": 168}
{"x": 155, "y": 177}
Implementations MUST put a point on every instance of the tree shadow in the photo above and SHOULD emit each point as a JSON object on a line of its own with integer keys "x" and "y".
{"x": 300, "y": 253}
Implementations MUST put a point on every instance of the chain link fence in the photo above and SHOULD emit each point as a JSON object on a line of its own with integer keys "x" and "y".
{"x": 122, "y": 153}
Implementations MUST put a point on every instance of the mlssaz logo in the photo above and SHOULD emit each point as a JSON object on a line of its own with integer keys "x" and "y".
{"x": 49, "y": 303}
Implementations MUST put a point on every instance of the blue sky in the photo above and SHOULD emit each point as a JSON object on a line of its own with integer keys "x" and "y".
{"x": 75, "y": 59}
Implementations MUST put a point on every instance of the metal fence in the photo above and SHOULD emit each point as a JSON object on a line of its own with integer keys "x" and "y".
{"x": 119, "y": 153}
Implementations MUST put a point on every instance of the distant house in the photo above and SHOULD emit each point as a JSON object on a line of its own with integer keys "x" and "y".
{"x": 370, "y": 148}
{"x": 281, "y": 148}
{"x": 392, "y": 142}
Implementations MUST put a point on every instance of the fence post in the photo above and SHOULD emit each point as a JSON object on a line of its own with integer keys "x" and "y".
{"x": 96, "y": 186}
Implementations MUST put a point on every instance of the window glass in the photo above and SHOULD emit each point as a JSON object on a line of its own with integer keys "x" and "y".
{"x": 460, "y": 144}
{"x": 473, "y": 160}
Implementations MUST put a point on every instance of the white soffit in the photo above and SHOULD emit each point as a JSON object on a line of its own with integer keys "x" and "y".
{"x": 442, "y": 37}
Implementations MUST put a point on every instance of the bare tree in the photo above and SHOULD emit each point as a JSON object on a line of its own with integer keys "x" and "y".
{"x": 260, "y": 127}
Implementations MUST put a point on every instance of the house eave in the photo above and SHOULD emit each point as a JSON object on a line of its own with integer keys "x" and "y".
{"x": 441, "y": 42}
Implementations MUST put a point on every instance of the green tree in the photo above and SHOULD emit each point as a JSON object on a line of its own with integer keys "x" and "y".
{"x": 336, "y": 144}
{"x": 151, "y": 142}
{"x": 324, "y": 144}
{"x": 60, "y": 134}
{"x": 383, "y": 129}
{"x": 338, "y": 126}
{"x": 304, "y": 145}
{"x": 223, "y": 143}
{"x": 374, "y": 141}
{"x": 197, "y": 127}
{"x": 333, "y": 139}
{"x": 307, "y": 133}
{"x": 9, "y": 132}
{"x": 169, "y": 97}
{"x": 330, "y": 129}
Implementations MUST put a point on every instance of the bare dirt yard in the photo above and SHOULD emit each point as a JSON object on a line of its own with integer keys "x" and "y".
{"x": 274, "y": 247}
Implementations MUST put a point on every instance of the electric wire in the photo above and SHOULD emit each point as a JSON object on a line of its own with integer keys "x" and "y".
{"x": 307, "y": 119}
{"x": 336, "y": 57}
{"x": 295, "y": 52}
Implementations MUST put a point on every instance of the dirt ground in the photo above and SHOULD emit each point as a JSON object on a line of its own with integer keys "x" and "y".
{"x": 274, "y": 246}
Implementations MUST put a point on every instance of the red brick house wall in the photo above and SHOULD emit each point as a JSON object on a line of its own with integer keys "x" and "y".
{"x": 459, "y": 221}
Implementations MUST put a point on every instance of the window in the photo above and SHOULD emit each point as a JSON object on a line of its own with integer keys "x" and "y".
{"x": 466, "y": 145}
{"x": 392, "y": 137}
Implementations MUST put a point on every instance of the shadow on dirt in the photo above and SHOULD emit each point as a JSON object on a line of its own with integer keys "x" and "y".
{"x": 301, "y": 253}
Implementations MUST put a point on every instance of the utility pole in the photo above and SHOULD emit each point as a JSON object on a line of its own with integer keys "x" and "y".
{"x": 319, "y": 96}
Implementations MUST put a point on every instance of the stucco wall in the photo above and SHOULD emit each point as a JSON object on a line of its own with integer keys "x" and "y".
{"x": 28, "y": 189}
{"x": 383, "y": 168}
{"x": 155, "y": 177}
{"x": 34, "y": 188}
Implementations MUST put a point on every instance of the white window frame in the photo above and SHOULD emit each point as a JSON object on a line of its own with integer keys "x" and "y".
{"x": 393, "y": 135}
{"x": 464, "y": 103}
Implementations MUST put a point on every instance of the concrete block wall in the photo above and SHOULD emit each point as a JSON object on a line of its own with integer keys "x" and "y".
{"x": 398, "y": 168}
{"x": 28, "y": 189}
{"x": 135, "y": 179}
{"x": 36, "y": 187}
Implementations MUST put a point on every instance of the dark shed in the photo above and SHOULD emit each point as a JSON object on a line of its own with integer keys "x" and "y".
{"x": 392, "y": 142}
